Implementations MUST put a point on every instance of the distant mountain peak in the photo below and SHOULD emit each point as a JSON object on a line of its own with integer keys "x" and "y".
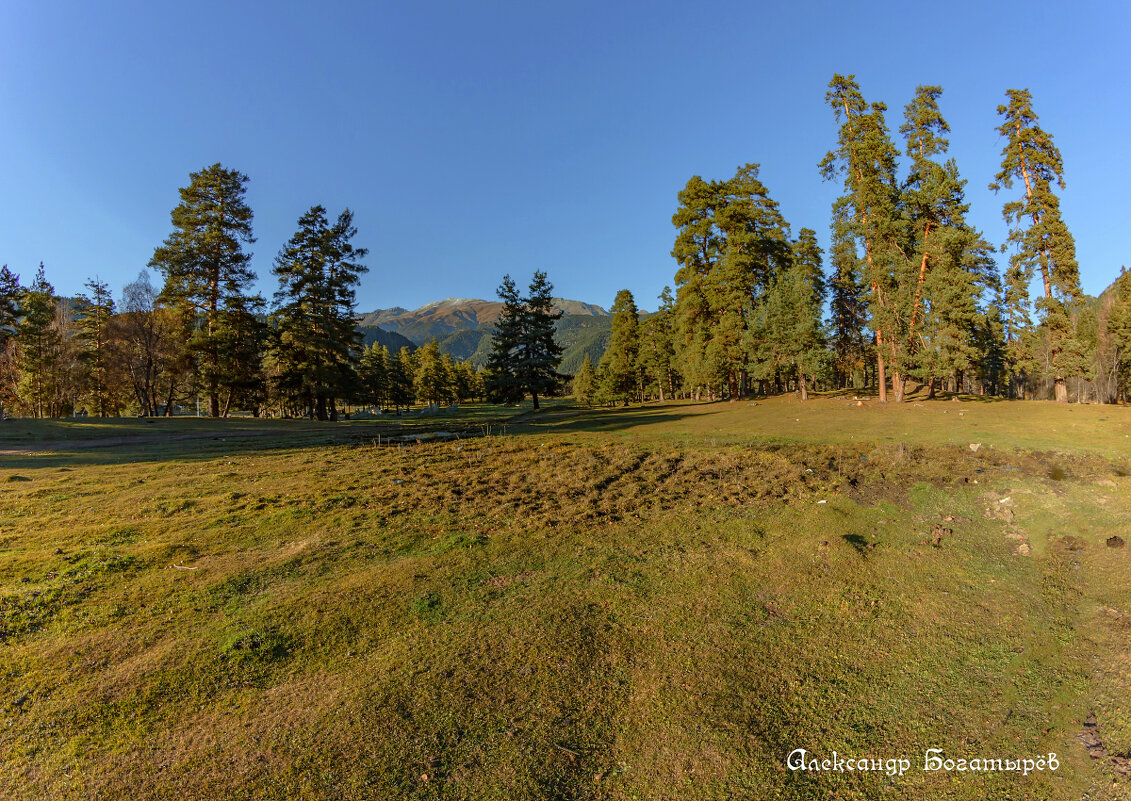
{"x": 441, "y": 317}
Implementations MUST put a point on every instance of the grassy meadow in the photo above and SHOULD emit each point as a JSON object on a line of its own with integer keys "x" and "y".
{"x": 656, "y": 602}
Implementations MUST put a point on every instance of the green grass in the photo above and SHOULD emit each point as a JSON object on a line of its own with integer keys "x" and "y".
{"x": 656, "y": 602}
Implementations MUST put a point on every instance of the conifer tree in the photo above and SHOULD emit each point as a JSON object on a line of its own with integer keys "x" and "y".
{"x": 731, "y": 241}
{"x": 373, "y": 374}
{"x": 620, "y": 364}
{"x": 503, "y": 385}
{"x": 847, "y": 306}
{"x": 541, "y": 354}
{"x": 40, "y": 348}
{"x": 10, "y": 294}
{"x": 432, "y": 380}
{"x": 1118, "y": 329}
{"x": 401, "y": 370}
{"x": 97, "y": 343}
{"x": 524, "y": 354}
{"x": 951, "y": 261}
{"x": 866, "y": 160}
{"x": 318, "y": 339}
{"x": 241, "y": 340}
{"x": 657, "y": 347}
{"x": 585, "y": 383}
{"x": 1040, "y": 239}
{"x": 204, "y": 263}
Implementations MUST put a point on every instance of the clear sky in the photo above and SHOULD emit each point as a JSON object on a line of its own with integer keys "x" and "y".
{"x": 477, "y": 138}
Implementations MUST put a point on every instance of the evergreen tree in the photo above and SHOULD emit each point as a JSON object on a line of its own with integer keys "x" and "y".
{"x": 317, "y": 336}
{"x": 98, "y": 346}
{"x": 432, "y": 380}
{"x": 1040, "y": 239}
{"x": 1118, "y": 329}
{"x": 585, "y": 383}
{"x": 540, "y": 352}
{"x": 657, "y": 348}
{"x": 10, "y": 294}
{"x": 792, "y": 328}
{"x": 952, "y": 262}
{"x": 40, "y": 348}
{"x": 524, "y": 354}
{"x": 847, "y": 306}
{"x": 620, "y": 364}
{"x": 870, "y": 212}
{"x": 401, "y": 371}
{"x": 373, "y": 374}
{"x": 241, "y": 340}
{"x": 503, "y": 385}
{"x": 204, "y": 263}
{"x": 731, "y": 241}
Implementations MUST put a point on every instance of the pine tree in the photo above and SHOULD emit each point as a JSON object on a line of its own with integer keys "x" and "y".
{"x": 401, "y": 369}
{"x": 524, "y": 354}
{"x": 620, "y": 364}
{"x": 10, "y": 295}
{"x": 657, "y": 348}
{"x": 240, "y": 341}
{"x": 951, "y": 261}
{"x": 204, "y": 263}
{"x": 317, "y": 337}
{"x": 503, "y": 385}
{"x": 847, "y": 306}
{"x": 585, "y": 383}
{"x": 866, "y": 159}
{"x": 732, "y": 240}
{"x": 1039, "y": 236}
{"x": 1118, "y": 329}
{"x": 40, "y": 348}
{"x": 98, "y": 345}
{"x": 540, "y": 352}
{"x": 373, "y": 373}
{"x": 432, "y": 380}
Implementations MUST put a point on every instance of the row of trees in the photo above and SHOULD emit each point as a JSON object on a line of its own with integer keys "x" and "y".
{"x": 912, "y": 291}
{"x": 203, "y": 334}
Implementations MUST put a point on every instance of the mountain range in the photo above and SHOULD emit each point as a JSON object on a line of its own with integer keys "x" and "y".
{"x": 462, "y": 328}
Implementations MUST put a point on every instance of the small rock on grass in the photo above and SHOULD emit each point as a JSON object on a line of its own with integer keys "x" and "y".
{"x": 1115, "y": 542}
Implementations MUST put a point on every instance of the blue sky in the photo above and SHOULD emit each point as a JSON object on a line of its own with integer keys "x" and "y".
{"x": 474, "y": 139}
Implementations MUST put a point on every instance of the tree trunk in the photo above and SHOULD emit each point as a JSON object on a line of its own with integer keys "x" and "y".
{"x": 1060, "y": 387}
{"x": 931, "y": 388}
{"x": 534, "y": 395}
{"x": 801, "y": 384}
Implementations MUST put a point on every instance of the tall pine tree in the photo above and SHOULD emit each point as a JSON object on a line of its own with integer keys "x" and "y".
{"x": 865, "y": 159}
{"x": 10, "y": 294}
{"x": 318, "y": 341}
{"x": 204, "y": 263}
{"x": 1040, "y": 239}
{"x": 619, "y": 367}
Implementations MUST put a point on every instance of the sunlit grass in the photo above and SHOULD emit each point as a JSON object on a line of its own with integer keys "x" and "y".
{"x": 641, "y": 603}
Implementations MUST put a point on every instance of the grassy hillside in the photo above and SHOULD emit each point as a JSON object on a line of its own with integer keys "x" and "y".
{"x": 657, "y": 602}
